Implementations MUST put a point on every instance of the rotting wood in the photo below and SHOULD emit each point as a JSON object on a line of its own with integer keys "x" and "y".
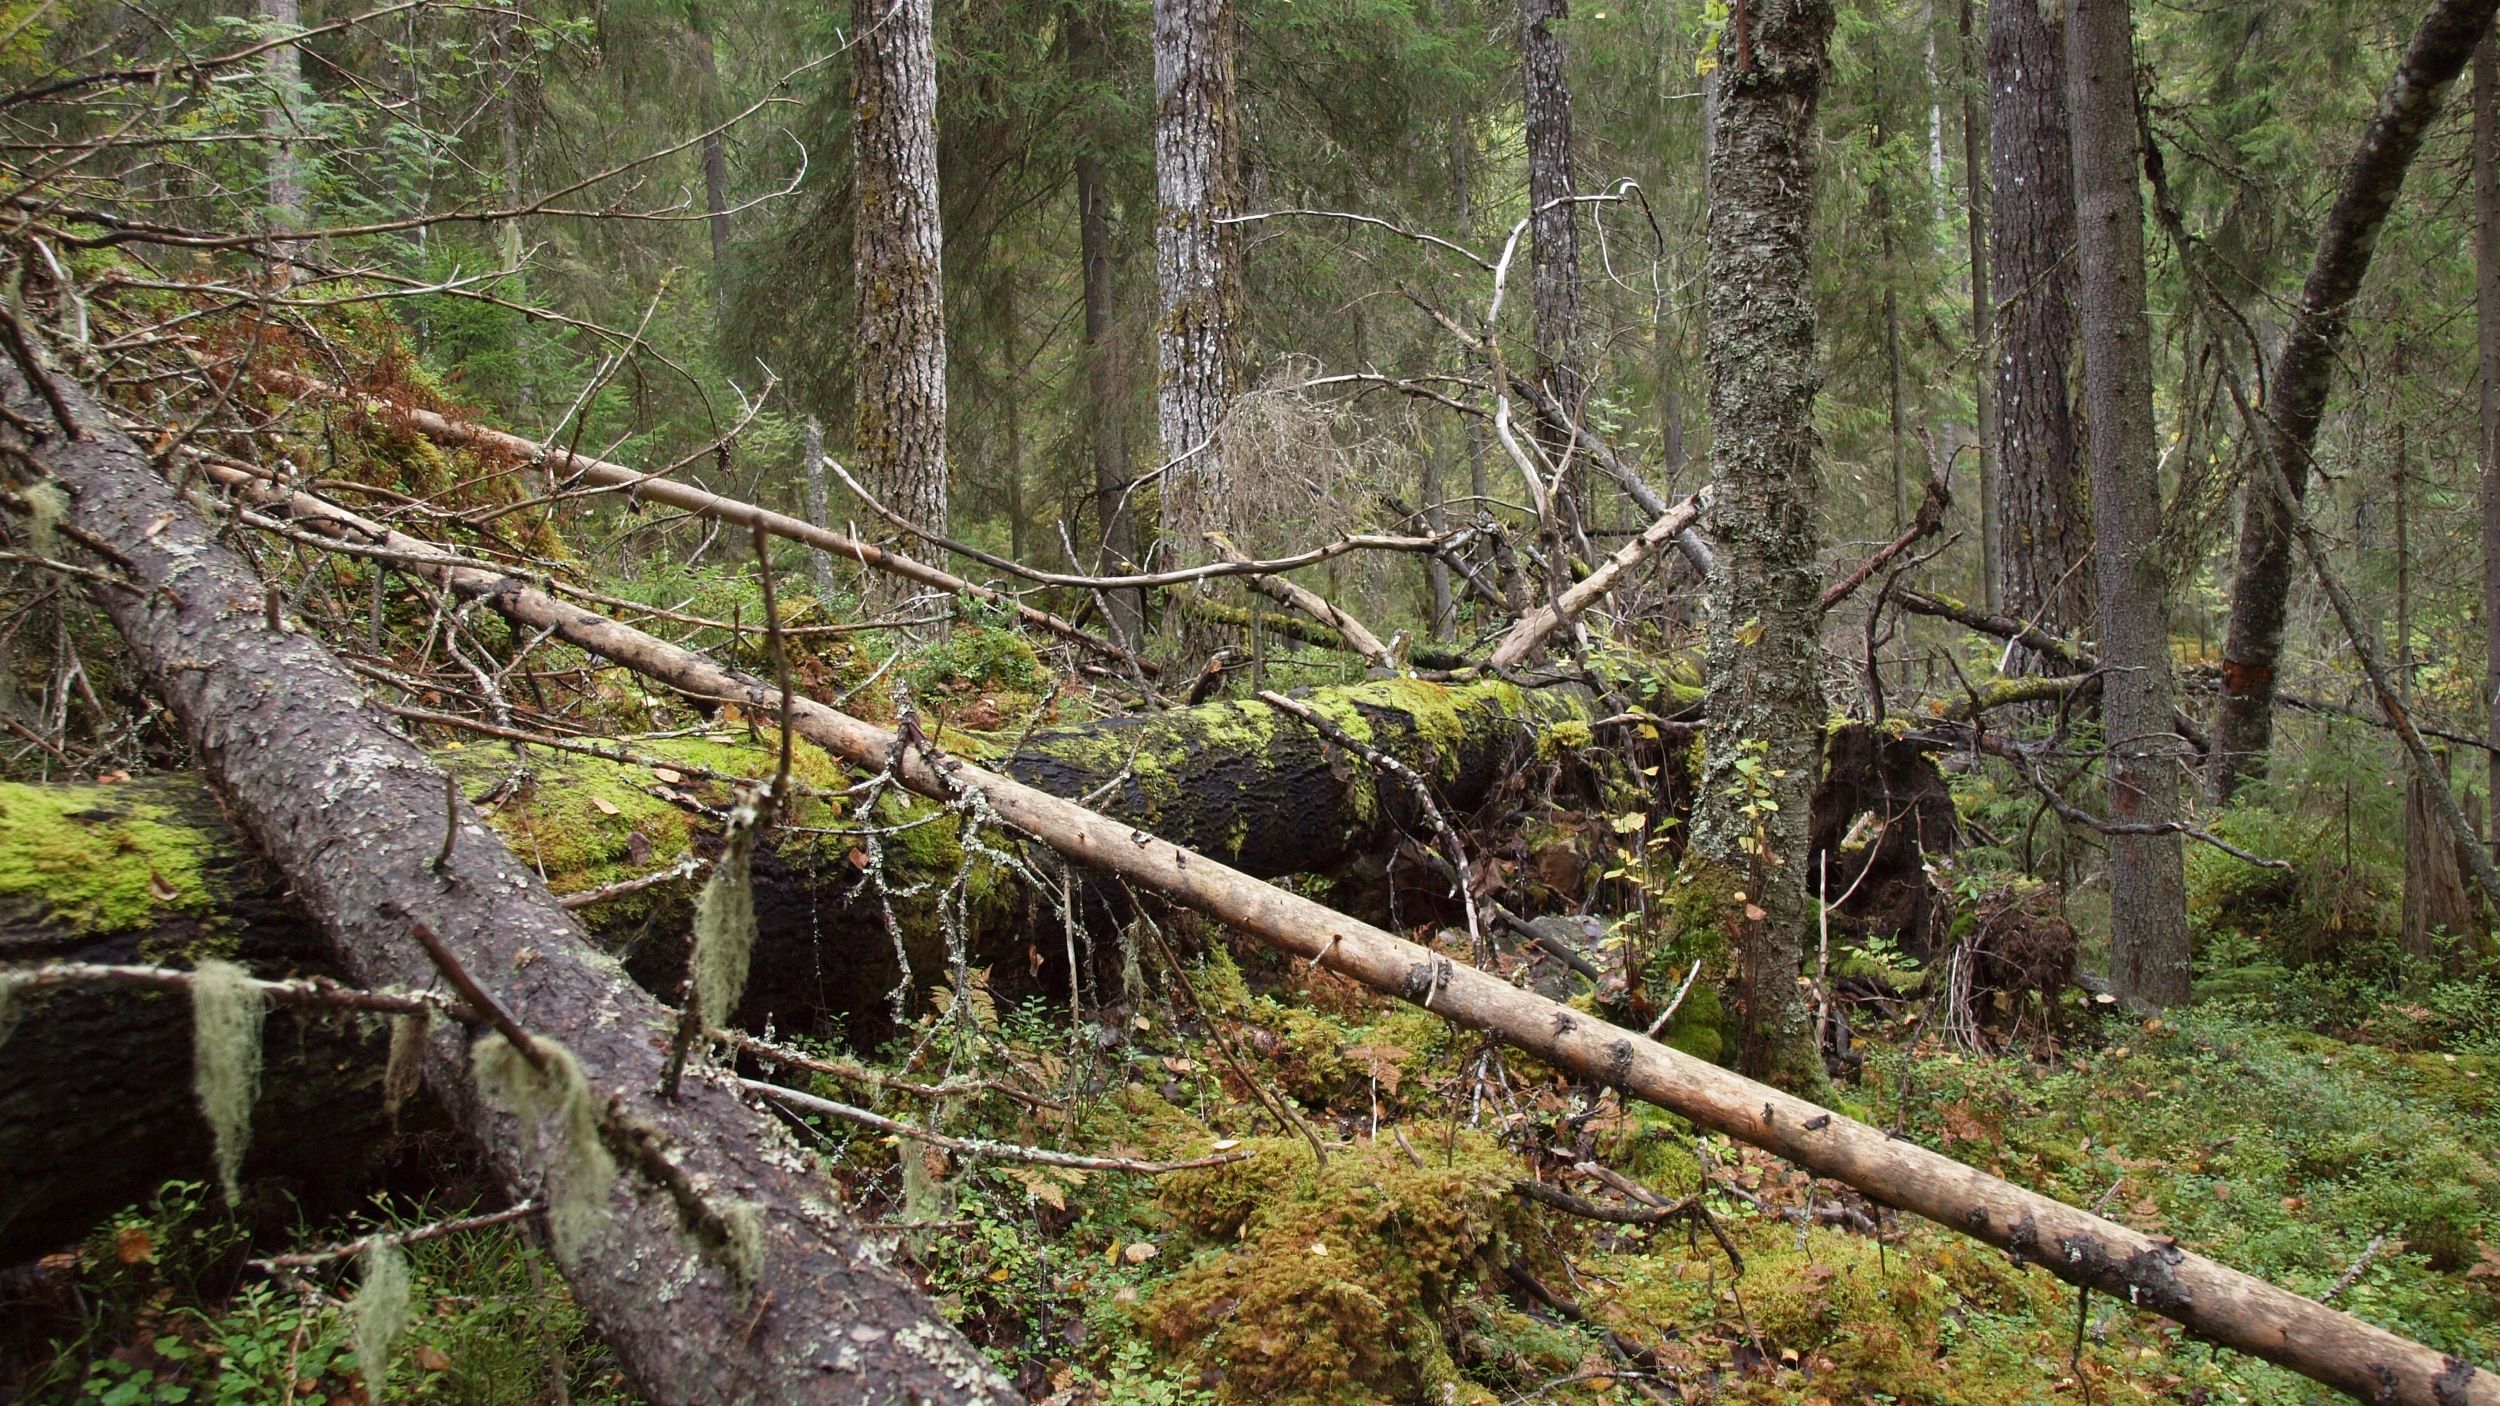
{"x": 2211, "y": 1300}
{"x": 1357, "y": 635}
{"x": 351, "y": 813}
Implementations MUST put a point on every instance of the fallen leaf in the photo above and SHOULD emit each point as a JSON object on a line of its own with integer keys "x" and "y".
{"x": 671, "y": 777}
{"x": 160, "y": 890}
{"x": 132, "y": 1244}
{"x": 430, "y": 1358}
{"x": 603, "y": 805}
{"x": 1139, "y": 1253}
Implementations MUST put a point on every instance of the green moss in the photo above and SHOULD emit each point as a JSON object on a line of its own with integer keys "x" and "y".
{"x": 98, "y": 861}
{"x": 1327, "y": 1286}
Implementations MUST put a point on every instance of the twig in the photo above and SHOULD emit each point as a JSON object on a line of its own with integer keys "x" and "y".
{"x": 476, "y": 995}
{"x": 772, "y": 1053}
{"x": 309, "y": 1259}
{"x": 980, "y": 1147}
{"x": 300, "y": 991}
{"x": 2361, "y": 1266}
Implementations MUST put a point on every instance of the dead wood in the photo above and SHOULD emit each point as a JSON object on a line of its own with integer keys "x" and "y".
{"x": 353, "y": 815}
{"x": 2211, "y": 1300}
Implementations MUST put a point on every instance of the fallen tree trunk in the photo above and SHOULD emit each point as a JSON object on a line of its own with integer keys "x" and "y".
{"x": 653, "y": 488}
{"x": 2210, "y": 1299}
{"x": 357, "y": 820}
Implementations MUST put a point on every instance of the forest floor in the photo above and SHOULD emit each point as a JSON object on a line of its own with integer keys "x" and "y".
{"x": 2361, "y": 1163}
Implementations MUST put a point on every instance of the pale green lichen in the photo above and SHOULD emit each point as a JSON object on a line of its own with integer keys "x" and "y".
{"x": 380, "y": 1311}
{"x": 743, "y": 1255}
{"x": 559, "y": 1105}
{"x": 406, "y": 1063}
{"x": 47, "y": 506}
{"x": 724, "y": 924}
{"x": 227, "y": 1010}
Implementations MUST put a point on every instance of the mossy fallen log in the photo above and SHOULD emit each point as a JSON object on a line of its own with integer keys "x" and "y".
{"x": 94, "y": 1087}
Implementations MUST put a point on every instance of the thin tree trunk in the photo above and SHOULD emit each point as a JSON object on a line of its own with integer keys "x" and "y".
{"x": 898, "y": 425}
{"x": 1105, "y": 426}
{"x": 2043, "y": 521}
{"x": 2295, "y": 398}
{"x": 356, "y": 818}
{"x": 1765, "y": 654}
{"x": 2487, "y": 347}
{"x": 1197, "y": 256}
{"x": 2147, "y": 873}
{"x": 283, "y": 71}
{"x": 715, "y": 163}
{"x": 1982, "y": 308}
{"x": 1554, "y": 226}
{"x": 508, "y": 234}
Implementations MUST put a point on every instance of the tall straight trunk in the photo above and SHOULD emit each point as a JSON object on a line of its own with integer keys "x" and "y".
{"x": 1982, "y": 308}
{"x": 1554, "y": 228}
{"x": 508, "y": 234}
{"x": 1106, "y": 418}
{"x": 715, "y": 163}
{"x": 2487, "y": 346}
{"x": 898, "y": 424}
{"x": 2147, "y": 873}
{"x": 2304, "y": 373}
{"x": 2043, "y": 521}
{"x": 283, "y": 70}
{"x": 1197, "y": 256}
{"x": 1765, "y": 702}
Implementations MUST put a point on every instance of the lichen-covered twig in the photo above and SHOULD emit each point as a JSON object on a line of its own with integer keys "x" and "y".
{"x": 981, "y": 1147}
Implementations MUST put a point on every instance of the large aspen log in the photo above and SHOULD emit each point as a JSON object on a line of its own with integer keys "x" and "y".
{"x": 2209, "y": 1299}
{"x": 355, "y": 816}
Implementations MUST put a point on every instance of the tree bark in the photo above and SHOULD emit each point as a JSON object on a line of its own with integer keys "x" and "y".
{"x": 1197, "y": 257}
{"x": 715, "y": 163}
{"x": 2147, "y": 873}
{"x": 2043, "y": 504}
{"x": 283, "y": 71}
{"x": 355, "y": 817}
{"x": 1983, "y": 333}
{"x": 1765, "y": 702}
{"x": 898, "y": 422}
{"x": 1554, "y": 228}
{"x": 2295, "y": 396}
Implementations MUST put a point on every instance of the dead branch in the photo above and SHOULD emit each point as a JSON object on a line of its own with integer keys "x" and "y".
{"x": 981, "y": 1147}
{"x": 1532, "y": 631}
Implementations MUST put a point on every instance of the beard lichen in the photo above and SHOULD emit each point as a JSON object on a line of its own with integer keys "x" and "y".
{"x": 227, "y": 1009}
{"x": 47, "y": 506}
{"x": 380, "y": 1311}
{"x": 558, "y": 1104}
{"x": 406, "y": 1063}
{"x": 724, "y": 920}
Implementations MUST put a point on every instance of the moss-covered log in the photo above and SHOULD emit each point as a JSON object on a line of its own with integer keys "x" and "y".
{"x": 94, "y": 1089}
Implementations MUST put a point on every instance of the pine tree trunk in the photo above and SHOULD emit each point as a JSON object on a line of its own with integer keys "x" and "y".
{"x": 1765, "y": 703}
{"x": 898, "y": 425}
{"x": 2043, "y": 521}
{"x": 1554, "y": 229}
{"x": 2147, "y": 873}
{"x": 1197, "y": 259}
{"x": 2304, "y": 373}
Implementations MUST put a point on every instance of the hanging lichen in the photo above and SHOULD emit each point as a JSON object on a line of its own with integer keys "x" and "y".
{"x": 724, "y": 921}
{"x": 558, "y": 1102}
{"x": 380, "y": 1311}
{"x": 227, "y": 1008}
{"x": 407, "y": 1061}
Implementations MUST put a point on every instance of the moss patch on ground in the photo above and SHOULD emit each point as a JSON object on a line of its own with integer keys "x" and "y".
{"x": 101, "y": 859}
